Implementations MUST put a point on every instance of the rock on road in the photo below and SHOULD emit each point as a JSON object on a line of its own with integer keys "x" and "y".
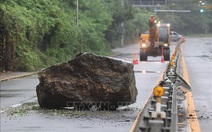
{"x": 197, "y": 53}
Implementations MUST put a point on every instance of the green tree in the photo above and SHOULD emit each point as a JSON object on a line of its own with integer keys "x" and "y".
{"x": 120, "y": 12}
{"x": 185, "y": 22}
{"x": 137, "y": 25}
{"x": 44, "y": 32}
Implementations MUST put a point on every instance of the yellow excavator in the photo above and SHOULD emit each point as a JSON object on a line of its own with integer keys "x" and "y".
{"x": 156, "y": 42}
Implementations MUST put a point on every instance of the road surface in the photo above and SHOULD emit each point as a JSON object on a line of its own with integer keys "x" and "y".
{"x": 198, "y": 57}
{"x": 29, "y": 117}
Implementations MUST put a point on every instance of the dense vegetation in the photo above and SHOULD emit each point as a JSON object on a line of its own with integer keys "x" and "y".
{"x": 193, "y": 22}
{"x": 38, "y": 33}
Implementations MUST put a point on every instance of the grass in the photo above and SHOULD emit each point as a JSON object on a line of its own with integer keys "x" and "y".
{"x": 63, "y": 112}
{"x": 23, "y": 109}
{"x": 199, "y": 35}
{"x": 33, "y": 107}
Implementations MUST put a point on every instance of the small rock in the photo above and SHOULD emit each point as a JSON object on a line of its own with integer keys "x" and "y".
{"x": 128, "y": 120}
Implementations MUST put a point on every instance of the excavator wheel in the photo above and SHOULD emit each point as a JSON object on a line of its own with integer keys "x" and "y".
{"x": 143, "y": 55}
{"x": 166, "y": 54}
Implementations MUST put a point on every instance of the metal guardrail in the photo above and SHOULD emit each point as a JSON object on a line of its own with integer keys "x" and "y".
{"x": 149, "y": 3}
{"x": 166, "y": 113}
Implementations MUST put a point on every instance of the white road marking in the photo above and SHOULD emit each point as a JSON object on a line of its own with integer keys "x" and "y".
{"x": 16, "y": 105}
{"x": 205, "y": 51}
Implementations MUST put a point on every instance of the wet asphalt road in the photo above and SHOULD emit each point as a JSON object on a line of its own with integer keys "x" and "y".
{"x": 18, "y": 91}
{"x": 198, "y": 57}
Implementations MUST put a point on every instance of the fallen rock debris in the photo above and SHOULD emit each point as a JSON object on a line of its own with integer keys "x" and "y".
{"x": 87, "y": 82}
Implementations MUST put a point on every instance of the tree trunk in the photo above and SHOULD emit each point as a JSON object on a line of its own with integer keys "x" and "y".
{"x": 9, "y": 52}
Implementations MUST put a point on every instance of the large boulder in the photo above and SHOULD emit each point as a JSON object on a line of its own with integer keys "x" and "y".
{"x": 86, "y": 81}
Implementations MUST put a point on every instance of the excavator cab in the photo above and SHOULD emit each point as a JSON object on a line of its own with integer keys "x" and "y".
{"x": 164, "y": 33}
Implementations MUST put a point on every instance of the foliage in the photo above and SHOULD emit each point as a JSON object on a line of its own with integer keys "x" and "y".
{"x": 185, "y": 22}
{"x": 44, "y": 32}
{"x": 120, "y": 12}
{"x": 40, "y": 33}
{"x": 137, "y": 25}
{"x": 193, "y": 22}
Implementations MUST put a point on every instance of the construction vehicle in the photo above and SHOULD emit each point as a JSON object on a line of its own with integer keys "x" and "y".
{"x": 156, "y": 42}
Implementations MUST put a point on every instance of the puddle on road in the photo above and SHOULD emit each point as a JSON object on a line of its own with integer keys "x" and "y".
{"x": 9, "y": 95}
{"x": 147, "y": 71}
{"x": 15, "y": 90}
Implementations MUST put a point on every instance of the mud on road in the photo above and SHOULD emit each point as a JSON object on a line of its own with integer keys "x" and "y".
{"x": 30, "y": 117}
